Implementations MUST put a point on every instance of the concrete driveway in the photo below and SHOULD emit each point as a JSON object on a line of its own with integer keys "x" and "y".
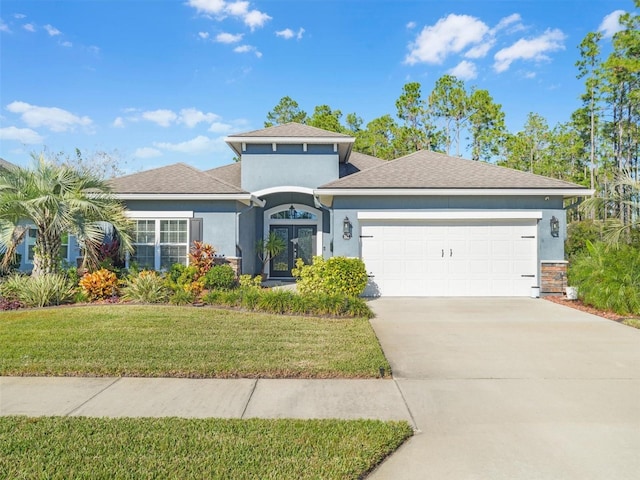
{"x": 512, "y": 389}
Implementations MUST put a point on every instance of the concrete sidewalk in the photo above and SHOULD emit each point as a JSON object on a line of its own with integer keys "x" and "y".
{"x": 199, "y": 398}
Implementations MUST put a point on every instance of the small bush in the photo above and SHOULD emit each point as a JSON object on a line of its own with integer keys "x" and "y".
{"x": 220, "y": 277}
{"x": 608, "y": 278}
{"x": 183, "y": 297}
{"x": 337, "y": 275}
{"x": 100, "y": 284}
{"x": 146, "y": 286}
{"x": 247, "y": 281}
{"x": 40, "y": 291}
{"x": 578, "y": 234}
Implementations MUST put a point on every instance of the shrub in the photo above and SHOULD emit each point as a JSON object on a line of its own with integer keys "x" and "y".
{"x": 337, "y": 275}
{"x": 608, "y": 278}
{"x": 40, "y": 291}
{"x": 202, "y": 258}
{"x": 100, "y": 284}
{"x": 247, "y": 281}
{"x": 220, "y": 277}
{"x": 578, "y": 234}
{"x": 182, "y": 296}
{"x": 146, "y": 286}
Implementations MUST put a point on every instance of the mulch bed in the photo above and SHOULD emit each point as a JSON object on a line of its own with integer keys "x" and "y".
{"x": 579, "y": 305}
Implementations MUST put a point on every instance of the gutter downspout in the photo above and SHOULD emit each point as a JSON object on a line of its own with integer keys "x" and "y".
{"x": 253, "y": 202}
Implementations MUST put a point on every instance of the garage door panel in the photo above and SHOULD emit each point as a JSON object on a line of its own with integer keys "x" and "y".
{"x": 451, "y": 258}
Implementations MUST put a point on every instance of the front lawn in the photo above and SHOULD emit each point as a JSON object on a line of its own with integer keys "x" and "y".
{"x": 76, "y": 447}
{"x": 168, "y": 341}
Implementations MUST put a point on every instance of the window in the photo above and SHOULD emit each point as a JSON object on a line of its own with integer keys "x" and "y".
{"x": 64, "y": 247}
{"x": 293, "y": 215}
{"x": 159, "y": 244}
{"x": 31, "y": 244}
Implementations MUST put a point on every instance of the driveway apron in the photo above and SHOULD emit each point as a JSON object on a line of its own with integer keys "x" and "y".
{"x": 511, "y": 388}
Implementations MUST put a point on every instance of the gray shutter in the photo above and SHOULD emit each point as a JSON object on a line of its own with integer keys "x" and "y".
{"x": 195, "y": 230}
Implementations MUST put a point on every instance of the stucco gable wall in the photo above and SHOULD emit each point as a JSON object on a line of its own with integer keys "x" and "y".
{"x": 261, "y": 171}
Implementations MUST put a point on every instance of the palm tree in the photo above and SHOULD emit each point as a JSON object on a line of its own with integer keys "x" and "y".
{"x": 58, "y": 200}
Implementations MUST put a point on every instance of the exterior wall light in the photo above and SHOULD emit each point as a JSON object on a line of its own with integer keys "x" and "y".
{"x": 292, "y": 212}
{"x": 346, "y": 228}
{"x": 555, "y": 226}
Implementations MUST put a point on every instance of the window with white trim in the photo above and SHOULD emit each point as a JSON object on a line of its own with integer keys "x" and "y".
{"x": 30, "y": 241}
{"x": 158, "y": 244}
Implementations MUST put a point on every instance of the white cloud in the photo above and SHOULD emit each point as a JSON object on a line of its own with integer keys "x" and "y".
{"x": 19, "y": 16}
{"x": 238, "y": 9}
{"x": 162, "y": 117}
{"x": 52, "y": 31}
{"x": 247, "y": 49}
{"x": 147, "y": 152}
{"x": 22, "y": 135}
{"x": 610, "y": 24}
{"x": 411, "y": 25}
{"x": 228, "y": 37}
{"x": 449, "y": 35}
{"x": 191, "y": 117}
{"x": 203, "y": 35}
{"x": 4, "y": 27}
{"x": 529, "y": 75}
{"x": 29, "y": 27}
{"x": 199, "y": 144}
{"x": 465, "y": 70}
{"x": 219, "y": 127}
{"x": 255, "y": 19}
{"x": 118, "y": 122}
{"x": 55, "y": 119}
{"x": 532, "y": 49}
{"x": 66, "y": 44}
{"x": 504, "y": 22}
{"x": 288, "y": 34}
{"x": 208, "y": 6}
{"x": 480, "y": 50}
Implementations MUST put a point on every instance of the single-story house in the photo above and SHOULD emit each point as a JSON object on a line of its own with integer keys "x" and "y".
{"x": 426, "y": 224}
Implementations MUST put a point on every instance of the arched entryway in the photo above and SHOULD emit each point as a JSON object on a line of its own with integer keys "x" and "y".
{"x": 299, "y": 226}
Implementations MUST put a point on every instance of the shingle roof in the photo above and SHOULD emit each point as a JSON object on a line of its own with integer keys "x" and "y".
{"x": 358, "y": 162}
{"x": 291, "y": 130}
{"x": 178, "y": 178}
{"x": 426, "y": 169}
{"x": 228, "y": 173}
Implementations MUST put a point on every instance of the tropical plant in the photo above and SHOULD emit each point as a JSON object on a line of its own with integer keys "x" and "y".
{"x": 58, "y": 200}
{"x": 268, "y": 248}
{"x": 202, "y": 257}
{"x": 146, "y": 286}
{"x": 100, "y": 284}
{"x": 40, "y": 291}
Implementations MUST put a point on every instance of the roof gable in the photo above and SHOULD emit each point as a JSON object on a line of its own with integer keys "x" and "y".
{"x": 431, "y": 170}
{"x": 291, "y": 130}
{"x": 178, "y": 178}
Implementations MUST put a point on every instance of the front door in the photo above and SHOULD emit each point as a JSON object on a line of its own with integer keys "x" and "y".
{"x": 300, "y": 241}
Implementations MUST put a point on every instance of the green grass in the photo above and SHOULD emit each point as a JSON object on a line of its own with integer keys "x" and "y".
{"x": 168, "y": 448}
{"x": 169, "y": 341}
{"x": 632, "y": 322}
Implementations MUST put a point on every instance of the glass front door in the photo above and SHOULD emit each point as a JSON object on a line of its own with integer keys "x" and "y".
{"x": 300, "y": 241}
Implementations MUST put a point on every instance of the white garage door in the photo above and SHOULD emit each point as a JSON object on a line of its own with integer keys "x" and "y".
{"x": 450, "y": 258}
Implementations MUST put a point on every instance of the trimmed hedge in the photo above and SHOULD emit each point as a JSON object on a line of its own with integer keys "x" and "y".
{"x": 337, "y": 275}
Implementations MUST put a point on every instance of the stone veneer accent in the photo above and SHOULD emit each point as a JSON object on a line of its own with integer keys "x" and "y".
{"x": 553, "y": 276}
{"x": 235, "y": 263}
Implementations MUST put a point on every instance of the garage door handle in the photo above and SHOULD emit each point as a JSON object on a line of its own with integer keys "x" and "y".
{"x": 531, "y": 276}
{"x": 370, "y": 276}
{"x": 451, "y": 252}
{"x": 443, "y": 253}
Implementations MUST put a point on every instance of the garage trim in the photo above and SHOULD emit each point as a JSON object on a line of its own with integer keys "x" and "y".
{"x": 449, "y": 215}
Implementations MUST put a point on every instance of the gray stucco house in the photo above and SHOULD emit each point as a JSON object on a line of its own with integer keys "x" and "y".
{"x": 426, "y": 224}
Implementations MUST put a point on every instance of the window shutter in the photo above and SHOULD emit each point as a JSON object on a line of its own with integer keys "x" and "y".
{"x": 195, "y": 230}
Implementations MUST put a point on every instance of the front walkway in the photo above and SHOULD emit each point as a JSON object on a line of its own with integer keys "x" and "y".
{"x": 238, "y": 398}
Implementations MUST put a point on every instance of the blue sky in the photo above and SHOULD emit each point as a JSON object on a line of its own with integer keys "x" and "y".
{"x": 162, "y": 81}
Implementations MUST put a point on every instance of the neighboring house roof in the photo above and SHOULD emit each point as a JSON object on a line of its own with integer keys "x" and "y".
{"x": 431, "y": 170}
{"x": 291, "y": 130}
{"x": 178, "y": 178}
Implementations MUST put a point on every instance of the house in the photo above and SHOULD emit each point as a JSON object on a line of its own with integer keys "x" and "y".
{"x": 426, "y": 224}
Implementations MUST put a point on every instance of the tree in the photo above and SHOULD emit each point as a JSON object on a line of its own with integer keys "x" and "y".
{"x": 327, "y": 119}
{"x": 486, "y": 126}
{"x": 379, "y": 138}
{"x": 528, "y": 149}
{"x": 450, "y": 103}
{"x": 286, "y": 111}
{"x": 416, "y": 132}
{"x": 58, "y": 200}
